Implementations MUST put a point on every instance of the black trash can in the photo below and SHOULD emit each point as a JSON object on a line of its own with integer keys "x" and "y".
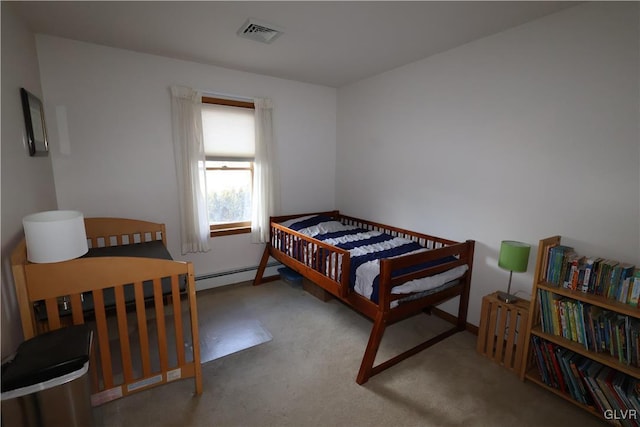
{"x": 47, "y": 382}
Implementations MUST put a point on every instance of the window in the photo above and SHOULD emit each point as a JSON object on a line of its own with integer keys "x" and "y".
{"x": 229, "y": 143}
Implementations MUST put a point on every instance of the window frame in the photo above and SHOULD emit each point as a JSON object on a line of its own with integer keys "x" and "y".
{"x": 230, "y": 228}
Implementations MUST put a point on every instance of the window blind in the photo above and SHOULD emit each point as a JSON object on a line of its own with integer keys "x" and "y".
{"x": 228, "y": 132}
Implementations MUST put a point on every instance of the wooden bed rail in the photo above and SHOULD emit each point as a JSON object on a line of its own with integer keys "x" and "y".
{"x": 281, "y": 218}
{"x": 425, "y": 240}
{"x": 100, "y": 231}
{"x": 462, "y": 253}
{"x": 459, "y": 250}
{"x": 312, "y": 258}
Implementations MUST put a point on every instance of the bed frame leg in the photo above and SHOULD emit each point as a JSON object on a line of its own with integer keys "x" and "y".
{"x": 464, "y": 297}
{"x": 263, "y": 265}
{"x": 366, "y": 367}
{"x": 462, "y": 311}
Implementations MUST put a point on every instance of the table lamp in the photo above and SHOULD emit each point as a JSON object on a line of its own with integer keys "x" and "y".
{"x": 55, "y": 236}
{"x": 514, "y": 256}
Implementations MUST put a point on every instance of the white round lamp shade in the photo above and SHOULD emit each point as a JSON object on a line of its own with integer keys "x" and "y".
{"x": 55, "y": 236}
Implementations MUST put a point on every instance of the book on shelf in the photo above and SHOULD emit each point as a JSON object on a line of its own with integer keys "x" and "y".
{"x": 597, "y": 276}
{"x": 614, "y": 280}
{"x": 572, "y": 377}
{"x": 556, "y": 261}
{"x": 616, "y": 396}
{"x": 555, "y": 367}
{"x": 574, "y": 361}
{"x": 626, "y": 274}
{"x": 597, "y": 329}
{"x": 632, "y": 390}
{"x": 619, "y": 385}
{"x": 604, "y": 379}
{"x": 634, "y": 294}
{"x": 590, "y": 265}
{"x": 590, "y": 370}
{"x": 585, "y": 380}
{"x": 575, "y": 264}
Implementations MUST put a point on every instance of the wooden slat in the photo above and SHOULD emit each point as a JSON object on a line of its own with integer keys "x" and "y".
{"x": 53, "y": 316}
{"x": 143, "y": 334}
{"x": 511, "y": 339}
{"x": 502, "y": 328}
{"x": 519, "y": 357}
{"x": 177, "y": 319}
{"x": 123, "y": 334}
{"x": 491, "y": 335}
{"x": 93, "y": 365}
{"x": 160, "y": 324}
{"x": 76, "y": 309}
{"x": 193, "y": 310}
{"x": 103, "y": 338}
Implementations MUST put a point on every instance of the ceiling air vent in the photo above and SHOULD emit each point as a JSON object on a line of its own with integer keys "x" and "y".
{"x": 259, "y": 31}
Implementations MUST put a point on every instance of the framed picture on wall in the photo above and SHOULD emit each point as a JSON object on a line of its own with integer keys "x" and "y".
{"x": 34, "y": 122}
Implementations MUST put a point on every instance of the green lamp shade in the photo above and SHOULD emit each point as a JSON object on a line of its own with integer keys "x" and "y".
{"x": 514, "y": 256}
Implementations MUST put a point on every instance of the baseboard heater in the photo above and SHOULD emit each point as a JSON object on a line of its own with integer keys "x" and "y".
{"x": 230, "y": 272}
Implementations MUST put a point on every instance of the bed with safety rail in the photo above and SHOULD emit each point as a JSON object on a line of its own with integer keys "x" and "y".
{"x": 386, "y": 273}
{"x": 140, "y": 303}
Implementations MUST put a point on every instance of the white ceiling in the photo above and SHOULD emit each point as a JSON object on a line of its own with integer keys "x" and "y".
{"x": 327, "y": 43}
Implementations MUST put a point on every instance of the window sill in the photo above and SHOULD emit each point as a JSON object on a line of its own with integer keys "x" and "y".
{"x": 229, "y": 231}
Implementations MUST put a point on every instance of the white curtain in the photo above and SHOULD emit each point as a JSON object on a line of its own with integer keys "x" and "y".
{"x": 190, "y": 168}
{"x": 265, "y": 191}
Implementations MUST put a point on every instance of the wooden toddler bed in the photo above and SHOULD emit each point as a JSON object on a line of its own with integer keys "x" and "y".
{"x": 366, "y": 264}
{"x": 130, "y": 292}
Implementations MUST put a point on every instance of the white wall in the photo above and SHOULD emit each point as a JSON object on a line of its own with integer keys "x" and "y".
{"x": 120, "y": 161}
{"x": 27, "y": 182}
{"x": 526, "y": 134}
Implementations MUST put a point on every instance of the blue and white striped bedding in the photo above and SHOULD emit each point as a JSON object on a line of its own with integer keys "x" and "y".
{"x": 366, "y": 248}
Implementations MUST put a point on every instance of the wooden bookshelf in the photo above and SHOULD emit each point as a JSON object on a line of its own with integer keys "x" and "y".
{"x": 536, "y": 334}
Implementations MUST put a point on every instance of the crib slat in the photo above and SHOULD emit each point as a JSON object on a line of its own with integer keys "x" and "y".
{"x": 193, "y": 312}
{"x": 93, "y": 363}
{"x": 177, "y": 319}
{"x": 123, "y": 333}
{"x": 162, "y": 332}
{"x": 76, "y": 309}
{"x": 142, "y": 329}
{"x": 53, "y": 316}
{"x": 103, "y": 338}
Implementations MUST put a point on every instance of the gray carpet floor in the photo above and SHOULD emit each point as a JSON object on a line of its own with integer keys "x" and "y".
{"x": 302, "y": 373}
